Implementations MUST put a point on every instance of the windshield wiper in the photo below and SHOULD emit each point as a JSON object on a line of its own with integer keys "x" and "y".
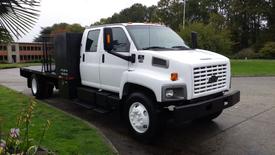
{"x": 155, "y": 47}
{"x": 181, "y": 47}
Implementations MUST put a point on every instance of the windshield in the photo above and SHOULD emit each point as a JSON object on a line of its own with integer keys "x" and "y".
{"x": 153, "y": 37}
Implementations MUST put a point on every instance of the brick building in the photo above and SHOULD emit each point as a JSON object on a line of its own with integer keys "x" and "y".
{"x": 21, "y": 52}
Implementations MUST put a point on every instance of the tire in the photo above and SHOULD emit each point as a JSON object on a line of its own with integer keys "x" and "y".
{"x": 210, "y": 117}
{"x": 39, "y": 88}
{"x": 49, "y": 90}
{"x": 142, "y": 117}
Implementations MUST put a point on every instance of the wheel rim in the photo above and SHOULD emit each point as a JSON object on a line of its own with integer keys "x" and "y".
{"x": 139, "y": 117}
{"x": 34, "y": 86}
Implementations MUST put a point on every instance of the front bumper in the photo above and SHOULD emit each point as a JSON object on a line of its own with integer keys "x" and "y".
{"x": 206, "y": 107}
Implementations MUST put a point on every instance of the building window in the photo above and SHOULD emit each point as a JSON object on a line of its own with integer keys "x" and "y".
{"x": 5, "y": 48}
{"x": 21, "y": 57}
{"x": 24, "y": 48}
{"x": 13, "y": 48}
{"x": 28, "y": 48}
{"x": 1, "y": 58}
{"x": 32, "y": 48}
{"x": 5, "y": 58}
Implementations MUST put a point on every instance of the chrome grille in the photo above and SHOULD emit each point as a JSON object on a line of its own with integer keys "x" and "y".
{"x": 203, "y": 76}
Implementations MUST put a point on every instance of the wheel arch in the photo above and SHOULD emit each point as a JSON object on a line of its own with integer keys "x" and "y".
{"x": 131, "y": 87}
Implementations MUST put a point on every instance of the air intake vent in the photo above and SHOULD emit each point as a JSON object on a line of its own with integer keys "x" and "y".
{"x": 158, "y": 62}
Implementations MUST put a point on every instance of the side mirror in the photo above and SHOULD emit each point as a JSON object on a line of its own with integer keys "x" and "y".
{"x": 194, "y": 38}
{"x": 108, "y": 39}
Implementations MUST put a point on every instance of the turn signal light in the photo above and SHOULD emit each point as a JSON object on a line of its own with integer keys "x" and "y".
{"x": 108, "y": 39}
{"x": 174, "y": 76}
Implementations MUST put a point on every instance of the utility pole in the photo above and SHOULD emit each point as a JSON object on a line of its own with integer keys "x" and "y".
{"x": 184, "y": 10}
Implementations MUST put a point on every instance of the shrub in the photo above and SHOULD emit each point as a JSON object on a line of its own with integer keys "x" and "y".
{"x": 209, "y": 37}
{"x": 268, "y": 51}
{"x": 248, "y": 53}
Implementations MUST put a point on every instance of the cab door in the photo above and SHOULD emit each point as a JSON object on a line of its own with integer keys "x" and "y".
{"x": 113, "y": 67}
{"x": 90, "y": 59}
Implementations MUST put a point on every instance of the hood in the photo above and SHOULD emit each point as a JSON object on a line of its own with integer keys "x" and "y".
{"x": 190, "y": 56}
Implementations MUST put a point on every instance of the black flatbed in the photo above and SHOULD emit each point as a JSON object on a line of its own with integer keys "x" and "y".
{"x": 37, "y": 70}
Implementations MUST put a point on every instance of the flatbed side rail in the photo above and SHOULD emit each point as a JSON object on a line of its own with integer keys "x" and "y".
{"x": 48, "y": 77}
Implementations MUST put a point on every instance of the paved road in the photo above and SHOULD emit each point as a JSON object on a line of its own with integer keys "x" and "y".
{"x": 247, "y": 128}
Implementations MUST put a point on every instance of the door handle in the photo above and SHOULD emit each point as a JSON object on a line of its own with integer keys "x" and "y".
{"x": 83, "y": 58}
{"x": 103, "y": 58}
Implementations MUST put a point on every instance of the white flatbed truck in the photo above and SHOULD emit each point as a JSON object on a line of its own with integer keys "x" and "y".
{"x": 143, "y": 70}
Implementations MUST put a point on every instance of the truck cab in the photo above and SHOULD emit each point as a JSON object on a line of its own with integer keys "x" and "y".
{"x": 147, "y": 71}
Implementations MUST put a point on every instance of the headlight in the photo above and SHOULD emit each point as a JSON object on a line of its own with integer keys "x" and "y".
{"x": 169, "y": 93}
{"x": 174, "y": 93}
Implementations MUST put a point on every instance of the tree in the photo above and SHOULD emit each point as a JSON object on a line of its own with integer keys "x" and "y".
{"x": 209, "y": 37}
{"x": 170, "y": 13}
{"x": 57, "y": 29}
{"x": 246, "y": 20}
{"x": 270, "y": 33}
{"x": 136, "y": 13}
{"x": 246, "y": 23}
{"x": 17, "y": 17}
{"x": 5, "y": 36}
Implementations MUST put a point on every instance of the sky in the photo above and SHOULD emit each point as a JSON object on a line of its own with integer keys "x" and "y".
{"x": 84, "y": 12}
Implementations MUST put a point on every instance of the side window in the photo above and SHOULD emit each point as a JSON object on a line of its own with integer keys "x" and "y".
{"x": 121, "y": 42}
{"x": 92, "y": 41}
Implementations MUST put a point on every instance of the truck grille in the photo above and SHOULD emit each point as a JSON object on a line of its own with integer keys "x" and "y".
{"x": 209, "y": 78}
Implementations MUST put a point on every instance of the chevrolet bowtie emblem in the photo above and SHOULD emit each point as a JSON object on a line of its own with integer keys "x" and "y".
{"x": 213, "y": 79}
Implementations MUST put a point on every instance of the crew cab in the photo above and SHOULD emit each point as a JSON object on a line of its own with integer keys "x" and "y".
{"x": 146, "y": 71}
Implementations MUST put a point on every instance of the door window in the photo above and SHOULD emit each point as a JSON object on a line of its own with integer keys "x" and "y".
{"x": 121, "y": 42}
{"x": 92, "y": 41}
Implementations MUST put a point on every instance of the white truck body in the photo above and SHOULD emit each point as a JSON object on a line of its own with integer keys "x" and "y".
{"x": 114, "y": 73}
{"x": 146, "y": 71}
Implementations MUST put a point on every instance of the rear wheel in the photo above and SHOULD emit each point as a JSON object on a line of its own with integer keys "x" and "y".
{"x": 142, "y": 117}
{"x": 40, "y": 89}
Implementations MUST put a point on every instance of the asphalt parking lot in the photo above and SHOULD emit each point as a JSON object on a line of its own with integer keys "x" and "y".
{"x": 245, "y": 129}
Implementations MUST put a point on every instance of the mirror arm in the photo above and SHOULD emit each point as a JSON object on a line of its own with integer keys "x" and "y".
{"x": 131, "y": 58}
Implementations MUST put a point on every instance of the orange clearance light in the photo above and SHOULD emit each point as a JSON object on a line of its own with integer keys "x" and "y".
{"x": 174, "y": 76}
{"x": 108, "y": 39}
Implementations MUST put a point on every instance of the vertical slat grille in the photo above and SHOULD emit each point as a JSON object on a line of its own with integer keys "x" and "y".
{"x": 209, "y": 78}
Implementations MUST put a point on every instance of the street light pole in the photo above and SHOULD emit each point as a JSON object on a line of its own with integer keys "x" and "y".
{"x": 184, "y": 7}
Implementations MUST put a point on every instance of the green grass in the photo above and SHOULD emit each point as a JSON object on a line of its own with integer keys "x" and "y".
{"x": 67, "y": 135}
{"x": 17, "y": 65}
{"x": 253, "y": 67}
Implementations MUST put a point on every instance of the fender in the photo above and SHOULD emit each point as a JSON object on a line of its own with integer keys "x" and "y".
{"x": 146, "y": 78}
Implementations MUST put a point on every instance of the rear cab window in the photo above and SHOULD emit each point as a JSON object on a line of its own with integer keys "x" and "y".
{"x": 92, "y": 41}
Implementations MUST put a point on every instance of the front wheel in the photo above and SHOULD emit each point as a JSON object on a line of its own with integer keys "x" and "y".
{"x": 142, "y": 117}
